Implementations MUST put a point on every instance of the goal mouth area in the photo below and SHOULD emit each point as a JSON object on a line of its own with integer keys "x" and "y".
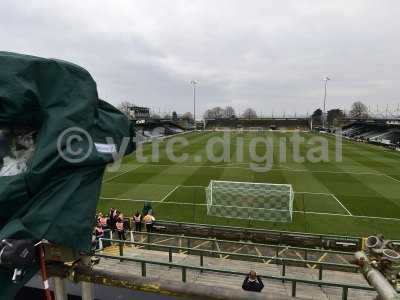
{"x": 250, "y": 201}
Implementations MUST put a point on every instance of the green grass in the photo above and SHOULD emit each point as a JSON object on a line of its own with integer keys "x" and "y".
{"x": 365, "y": 184}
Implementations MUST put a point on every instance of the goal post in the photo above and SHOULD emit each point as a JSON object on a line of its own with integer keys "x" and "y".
{"x": 248, "y": 200}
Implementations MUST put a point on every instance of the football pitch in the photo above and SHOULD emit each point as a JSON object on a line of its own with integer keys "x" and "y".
{"x": 358, "y": 195}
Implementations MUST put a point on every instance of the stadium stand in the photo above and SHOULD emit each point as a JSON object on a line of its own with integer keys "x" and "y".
{"x": 259, "y": 124}
{"x": 384, "y": 132}
{"x": 154, "y": 129}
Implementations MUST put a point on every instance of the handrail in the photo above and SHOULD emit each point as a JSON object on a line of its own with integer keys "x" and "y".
{"x": 317, "y": 235}
{"x": 245, "y": 243}
{"x": 345, "y": 287}
{"x": 192, "y": 251}
{"x": 265, "y": 230}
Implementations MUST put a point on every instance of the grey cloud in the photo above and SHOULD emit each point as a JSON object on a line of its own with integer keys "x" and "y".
{"x": 266, "y": 54}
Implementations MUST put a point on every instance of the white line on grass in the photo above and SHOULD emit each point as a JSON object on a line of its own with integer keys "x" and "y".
{"x": 155, "y": 201}
{"x": 170, "y": 193}
{"x": 296, "y": 211}
{"x": 123, "y": 173}
{"x": 341, "y": 204}
{"x": 328, "y": 194}
{"x": 392, "y": 178}
{"x": 311, "y": 193}
{"x": 349, "y": 216}
{"x": 273, "y": 169}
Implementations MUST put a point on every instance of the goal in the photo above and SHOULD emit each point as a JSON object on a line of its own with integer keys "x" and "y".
{"x": 248, "y": 200}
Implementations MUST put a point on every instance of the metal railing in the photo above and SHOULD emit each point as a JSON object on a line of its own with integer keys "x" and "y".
{"x": 277, "y": 248}
{"x": 242, "y": 243}
{"x": 349, "y": 238}
{"x": 294, "y": 281}
{"x": 283, "y": 262}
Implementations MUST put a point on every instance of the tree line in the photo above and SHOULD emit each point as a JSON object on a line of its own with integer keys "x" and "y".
{"x": 334, "y": 116}
{"x": 228, "y": 113}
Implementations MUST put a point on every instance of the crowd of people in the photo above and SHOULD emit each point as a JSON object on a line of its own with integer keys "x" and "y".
{"x": 118, "y": 224}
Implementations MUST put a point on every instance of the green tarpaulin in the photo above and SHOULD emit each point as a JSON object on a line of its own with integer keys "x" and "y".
{"x": 56, "y": 198}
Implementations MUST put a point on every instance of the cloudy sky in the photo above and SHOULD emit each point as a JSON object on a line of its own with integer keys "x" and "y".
{"x": 269, "y": 55}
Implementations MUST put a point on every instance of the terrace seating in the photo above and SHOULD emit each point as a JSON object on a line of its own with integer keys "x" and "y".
{"x": 223, "y": 269}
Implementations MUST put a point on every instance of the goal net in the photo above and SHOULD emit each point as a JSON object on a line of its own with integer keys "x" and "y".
{"x": 247, "y": 200}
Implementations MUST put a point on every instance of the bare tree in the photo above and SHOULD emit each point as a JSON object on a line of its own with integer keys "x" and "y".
{"x": 207, "y": 114}
{"x": 317, "y": 116}
{"x": 335, "y": 116}
{"x": 125, "y": 107}
{"x": 359, "y": 110}
{"x": 214, "y": 113}
{"x": 249, "y": 113}
{"x": 187, "y": 116}
{"x": 229, "y": 112}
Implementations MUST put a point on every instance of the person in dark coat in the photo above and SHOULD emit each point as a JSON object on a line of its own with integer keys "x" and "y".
{"x": 253, "y": 283}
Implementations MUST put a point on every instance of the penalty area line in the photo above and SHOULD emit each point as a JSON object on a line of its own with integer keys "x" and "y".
{"x": 170, "y": 193}
{"x": 392, "y": 178}
{"x": 123, "y": 173}
{"x": 152, "y": 201}
{"x": 341, "y": 204}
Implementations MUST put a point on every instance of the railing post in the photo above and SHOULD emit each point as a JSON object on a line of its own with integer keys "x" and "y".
{"x": 183, "y": 274}
{"x": 148, "y": 240}
{"x": 345, "y": 291}
{"x": 143, "y": 269}
{"x": 100, "y": 244}
{"x": 87, "y": 290}
{"x": 132, "y": 239}
{"x": 59, "y": 288}
{"x": 305, "y": 254}
{"x": 201, "y": 261}
{"x": 320, "y": 272}
{"x": 294, "y": 282}
{"x": 276, "y": 251}
{"x": 170, "y": 254}
{"x": 121, "y": 251}
{"x": 283, "y": 269}
{"x": 189, "y": 245}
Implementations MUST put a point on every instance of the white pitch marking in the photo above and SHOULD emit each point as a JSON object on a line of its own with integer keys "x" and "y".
{"x": 311, "y": 193}
{"x": 296, "y": 211}
{"x": 390, "y": 177}
{"x": 273, "y": 169}
{"x": 170, "y": 193}
{"x": 341, "y": 204}
{"x": 155, "y": 201}
{"x": 123, "y": 173}
{"x": 349, "y": 216}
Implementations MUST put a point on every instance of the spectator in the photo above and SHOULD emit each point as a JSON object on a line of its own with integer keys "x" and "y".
{"x": 96, "y": 234}
{"x": 98, "y": 231}
{"x": 137, "y": 218}
{"x": 149, "y": 222}
{"x": 252, "y": 282}
{"x": 102, "y": 220}
{"x": 120, "y": 229}
{"x": 112, "y": 219}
